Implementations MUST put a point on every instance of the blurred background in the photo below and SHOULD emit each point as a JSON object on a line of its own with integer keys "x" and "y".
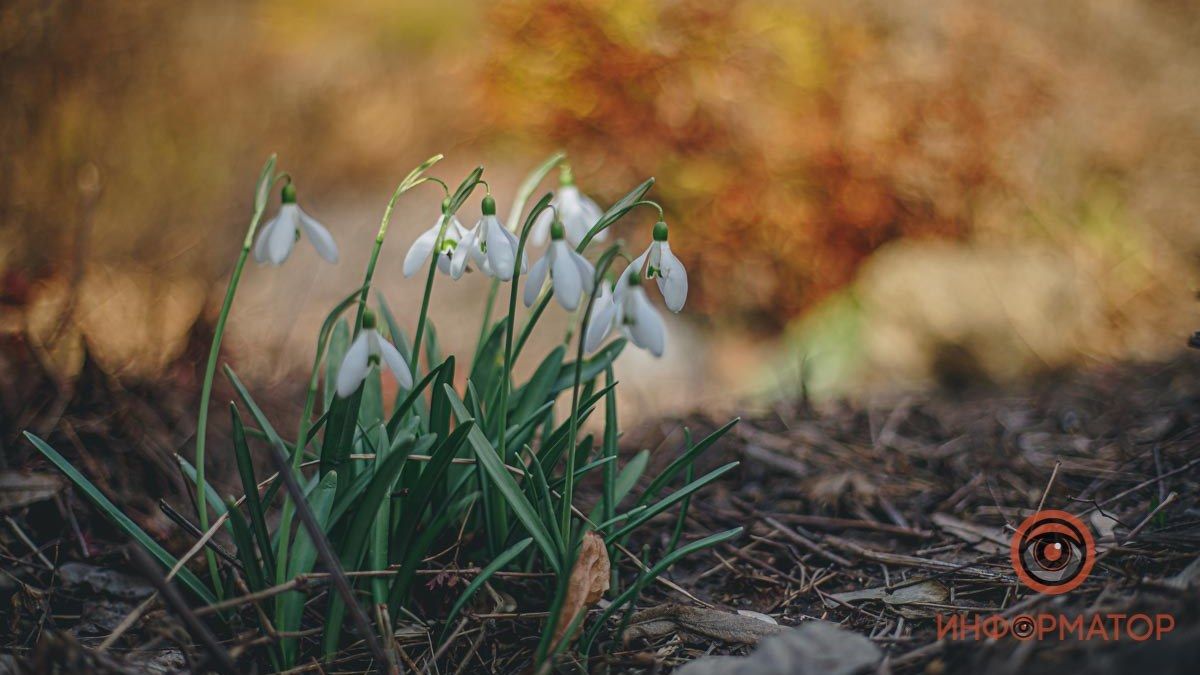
{"x": 869, "y": 195}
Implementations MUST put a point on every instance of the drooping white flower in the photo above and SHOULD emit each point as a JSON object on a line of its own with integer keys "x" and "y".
{"x": 661, "y": 265}
{"x": 629, "y": 309}
{"x": 367, "y": 350}
{"x": 446, "y": 245}
{"x": 570, "y": 273}
{"x": 576, "y": 210}
{"x": 279, "y": 235}
{"x": 491, "y": 246}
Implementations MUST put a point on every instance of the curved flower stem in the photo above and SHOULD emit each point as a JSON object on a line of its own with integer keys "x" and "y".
{"x": 488, "y": 308}
{"x": 214, "y": 352}
{"x": 433, "y": 260}
{"x": 288, "y": 511}
{"x": 509, "y": 354}
{"x": 569, "y": 476}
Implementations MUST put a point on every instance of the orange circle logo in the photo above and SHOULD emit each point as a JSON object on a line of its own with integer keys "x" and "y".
{"x": 1052, "y": 552}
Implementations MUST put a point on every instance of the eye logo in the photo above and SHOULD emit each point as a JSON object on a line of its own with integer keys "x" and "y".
{"x": 1052, "y": 552}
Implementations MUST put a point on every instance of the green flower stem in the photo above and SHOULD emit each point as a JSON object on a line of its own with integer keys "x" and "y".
{"x": 569, "y": 476}
{"x": 487, "y": 319}
{"x": 210, "y": 371}
{"x": 288, "y": 511}
{"x": 419, "y": 335}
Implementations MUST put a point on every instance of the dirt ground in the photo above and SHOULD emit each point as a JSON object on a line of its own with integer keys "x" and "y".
{"x": 879, "y": 519}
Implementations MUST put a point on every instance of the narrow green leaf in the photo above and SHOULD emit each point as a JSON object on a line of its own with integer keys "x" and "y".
{"x": 254, "y": 507}
{"x": 687, "y": 458}
{"x": 666, "y": 503}
{"x": 120, "y": 519}
{"x": 486, "y": 573}
{"x": 591, "y": 367}
{"x": 486, "y": 455}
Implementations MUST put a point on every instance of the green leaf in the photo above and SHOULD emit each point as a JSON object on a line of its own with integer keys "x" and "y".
{"x": 616, "y": 212}
{"x": 254, "y": 507}
{"x": 628, "y": 478}
{"x": 666, "y": 503}
{"x": 591, "y": 367}
{"x": 414, "y": 177}
{"x": 486, "y": 573}
{"x": 262, "y": 189}
{"x": 120, "y": 519}
{"x": 486, "y": 455}
{"x": 539, "y": 390}
{"x": 339, "y": 342}
{"x": 687, "y": 458}
{"x": 465, "y": 189}
{"x": 289, "y": 606}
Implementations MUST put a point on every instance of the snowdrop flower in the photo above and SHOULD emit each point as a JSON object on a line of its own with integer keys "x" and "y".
{"x": 447, "y": 248}
{"x": 662, "y": 266}
{"x": 278, "y": 236}
{"x": 578, "y": 213}
{"x": 631, "y": 311}
{"x": 490, "y": 245}
{"x": 570, "y": 273}
{"x": 367, "y": 350}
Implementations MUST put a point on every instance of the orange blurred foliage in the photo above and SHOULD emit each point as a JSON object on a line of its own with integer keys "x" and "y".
{"x": 788, "y": 142}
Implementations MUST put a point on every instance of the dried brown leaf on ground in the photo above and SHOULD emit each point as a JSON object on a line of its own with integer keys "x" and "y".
{"x": 709, "y": 624}
{"x": 588, "y": 582}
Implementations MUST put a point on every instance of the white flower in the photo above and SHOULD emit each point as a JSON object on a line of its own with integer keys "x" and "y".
{"x": 491, "y": 246}
{"x": 629, "y": 309}
{"x": 578, "y": 213}
{"x": 278, "y": 236}
{"x": 570, "y": 273}
{"x": 448, "y": 249}
{"x": 661, "y": 265}
{"x": 366, "y": 351}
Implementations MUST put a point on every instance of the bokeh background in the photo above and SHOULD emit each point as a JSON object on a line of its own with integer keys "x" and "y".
{"x": 869, "y": 195}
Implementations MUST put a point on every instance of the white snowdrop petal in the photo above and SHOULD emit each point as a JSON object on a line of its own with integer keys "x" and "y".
{"x": 395, "y": 363}
{"x": 264, "y": 234}
{"x": 319, "y": 236}
{"x": 462, "y": 254}
{"x": 623, "y": 280}
{"x": 672, "y": 280}
{"x": 587, "y": 272}
{"x": 647, "y": 329}
{"x": 354, "y": 366}
{"x": 419, "y": 252}
{"x": 600, "y": 322}
{"x": 283, "y": 235}
{"x": 500, "y": 251}
{"x": 537, "y": 277}
{"x": 564, "y": 276}
{"x": 541, "y": 227}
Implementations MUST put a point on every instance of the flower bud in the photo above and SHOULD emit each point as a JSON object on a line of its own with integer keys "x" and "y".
{"x": 446, "y": 205}
{"x": 288, "y": 194}
{"x": 660, "y": 231}
{"x": 557, "y": 231}
{"x": 565, "y": 175}
{"x": 368, "y": 320}
{"x": 489, "y": 206}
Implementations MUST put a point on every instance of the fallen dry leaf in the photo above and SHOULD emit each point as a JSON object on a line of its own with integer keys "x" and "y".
{"x": 19, "y": 489}
{"x": 587, "y": 584}
{"x": 710, "y": 624}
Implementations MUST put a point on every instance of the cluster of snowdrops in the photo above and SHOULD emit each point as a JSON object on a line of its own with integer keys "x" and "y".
{"x": 394, "y": 479}
{"x": 493, "y": 248}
